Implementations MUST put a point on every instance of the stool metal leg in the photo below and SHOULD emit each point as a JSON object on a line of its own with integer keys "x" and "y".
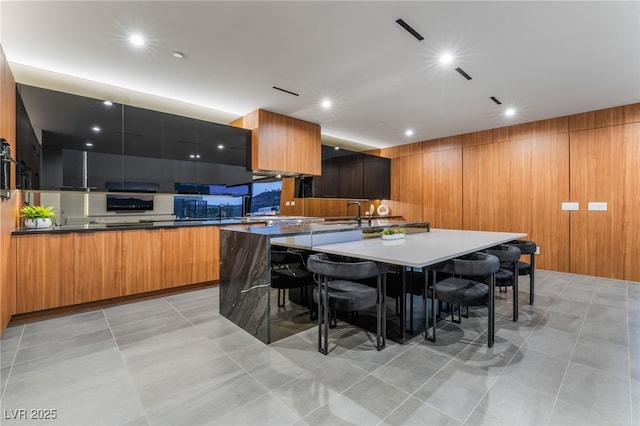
{"x": 532, "y": 286}
{"x": 515, "y": 291}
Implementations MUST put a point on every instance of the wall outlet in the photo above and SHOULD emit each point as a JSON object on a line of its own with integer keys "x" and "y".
{"x": 600, "y": 206}
{"x": 538, "y": 250}
{"x": 287, "y": 203}
{"x": 293, "y": 203}
{"x": 571, "y": 206}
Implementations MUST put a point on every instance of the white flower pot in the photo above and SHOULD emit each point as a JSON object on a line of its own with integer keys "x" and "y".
{"x": 39, "y": 223}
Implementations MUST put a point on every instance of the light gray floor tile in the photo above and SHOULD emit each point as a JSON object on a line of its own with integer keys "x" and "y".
{"x": 563, "y": 321}
{"x": 91, "y": 341}
{"x": 554, "y": 342}
{"x": 193, "y": 299}
{"x": 634, "y": 314}
{"x": 265, "y": 410}
{"x": 525, "y": 367}
{"x": 365, "y": 403}
{"x": 606, "y": 331}
{"x": 605, "y": 356}
{"x": 493, "y": 359}
{"x": 634, "y": 352}
{"x": 566, "y": 306}
{"x": 235, "y": 341}
{"x": 200, "y": 314}
{"x": 577, "y": 294}
{"x": 607, "y": 314}
{"x": 203, "y": 403}
{"x": 413, "y": 368}
{"x": 514, "y": 332}
{"x": 415, "y": 412}
{"x": 81, "y": 325}
{"x": 4, "y": 375}
{"x": 312, "y": 390}
{"x": 591, "y": 389}
{"x": 511, "y": 403}
{"x": 149, "y": 329}
{"x": 9, "y": 345}
{"x": 565, "y": 414}
{"x": 635, "y": 402}
{"x": 609, "y": 296}
{"x": 127, "y": 314}
{"x": 370, "y": 359}
{"x": 76, "y": 322}
{"x": 451, "y": 339}
{"x": 456, "y": 389}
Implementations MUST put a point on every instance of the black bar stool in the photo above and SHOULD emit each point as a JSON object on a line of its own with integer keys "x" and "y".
{"x": 530, "y": 248}
{"x": 507, "y": 275}
{"x": 337, "y": 291}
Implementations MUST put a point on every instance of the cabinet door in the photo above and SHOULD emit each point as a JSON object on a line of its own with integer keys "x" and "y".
{"x": 206, "y": 254}
{"x": 177, "y": 253}
{"x": 351, "y": 172}
{"x": 330, "y": 179}
{"x": 44, "y": 272}
{"x": 141, "y": 261}
{"x": 97, "y": 266}
{"x": 377, "y": 178}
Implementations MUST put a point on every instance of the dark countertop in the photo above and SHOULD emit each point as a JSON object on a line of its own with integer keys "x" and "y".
{"x": 64, "y": 229}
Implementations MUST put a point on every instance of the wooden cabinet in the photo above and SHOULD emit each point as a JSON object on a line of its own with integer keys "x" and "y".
{"x": 44, "y": 272}
{"x": 97, "y": 268}
{"x": 191, "y": 255}
{"x": 141, "y": 261}
{"x": 206, "y": 254}
{"x": 56, "y": 270}
{"x": 377, "y": 178}
{"x": 281, "y": 143}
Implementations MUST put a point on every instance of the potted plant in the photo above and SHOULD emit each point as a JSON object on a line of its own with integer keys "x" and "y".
{"x": 38, "y": 216}
{"x": 393, "y": 233}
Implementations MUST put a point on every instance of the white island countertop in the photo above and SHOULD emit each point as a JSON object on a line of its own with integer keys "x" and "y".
{"x": 420, "y": 249}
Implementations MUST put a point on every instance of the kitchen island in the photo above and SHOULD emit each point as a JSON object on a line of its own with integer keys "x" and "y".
{"x": 245, "y": 265}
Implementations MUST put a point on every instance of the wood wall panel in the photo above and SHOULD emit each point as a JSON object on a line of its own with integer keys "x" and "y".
{"x": 597, "y": 175}
{"x": 549, "y": 189}
{"x": 442, "y": 188}
{"x": 551, "y": 126}
{"x": 141, "y": 261}
{"x": 406, "y": 187}
{"x": 315, "y": 207}
{"x": 44, "y": 272}
{"x": 441, "y": 144}
{"x": 97, "y": 266}
{"x": 485, "y": 137}
{"x": 8, "y": 208}
{"x": 402, "y": 150}
{"x": 605, "y": 117}
{"x": 519, "y": 188}
{"x": 485, "y": 183}
{"x": 631, "y": 225}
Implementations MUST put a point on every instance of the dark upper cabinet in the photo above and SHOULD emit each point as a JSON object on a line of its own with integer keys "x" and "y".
{"x": 108, "y": 146}
{"x": 347, "y": 174}
{"x": 377, "y": 177}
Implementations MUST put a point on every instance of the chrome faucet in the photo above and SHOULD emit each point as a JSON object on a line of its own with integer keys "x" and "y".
{"x": 351, "y": 203}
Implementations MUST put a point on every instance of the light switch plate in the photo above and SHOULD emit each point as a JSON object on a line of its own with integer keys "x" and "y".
{"x": 287, "y": 203}
{"x": 293, "y": 203}
{"x": 571, "y": 206}
{"x": 600, "y": 206}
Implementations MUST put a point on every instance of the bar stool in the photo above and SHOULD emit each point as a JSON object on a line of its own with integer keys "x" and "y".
{"x": 456, "y": 290}
{"x": 530, "y": 248}
{"x": 507, "y": 275}
{"x": 288, "y": 271}
{"x": 336, "y": 291}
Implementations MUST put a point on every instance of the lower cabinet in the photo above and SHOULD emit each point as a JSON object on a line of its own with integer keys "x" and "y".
{"x": 55, "y": 270}
{"x": 44, "y": 267}
{"x": 141, "y": 261}
{"x": 97, "y": 266}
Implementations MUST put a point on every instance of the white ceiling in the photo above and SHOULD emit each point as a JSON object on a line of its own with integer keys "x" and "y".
{"x": 545, "y": 59}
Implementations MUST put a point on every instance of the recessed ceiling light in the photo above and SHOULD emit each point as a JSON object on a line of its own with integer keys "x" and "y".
{"x": 510, "y": 112}
{"x": 136, "y": 40}
{"x": 96, "y": 129}
{"x": 178, "y": 55}
{"x": 446, "y": 58}
{"x": 197, "y": 155}
{"x": 192, "y": 156}
{"x": 326, "y": 104}
{"x": 278, "y": 176}
{"x": 108, "y": 103}
{"x": 337, "y": 148}
{"x": 220, "y": 146}
{"x": 409, "y": 132}
{"x": 89, "y": 144}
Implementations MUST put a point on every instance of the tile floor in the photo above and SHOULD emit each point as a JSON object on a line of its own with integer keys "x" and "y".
{"x": 572, "y": 359}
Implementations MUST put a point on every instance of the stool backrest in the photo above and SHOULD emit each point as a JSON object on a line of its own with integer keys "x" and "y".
{"x": 320, "y": 264}
{"x": 526, "y": 247}
{"x": 473, "y": 265}
{"x": 506, "y": 253}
